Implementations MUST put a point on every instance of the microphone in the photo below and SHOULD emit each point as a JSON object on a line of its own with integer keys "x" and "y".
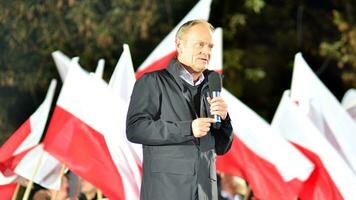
{"x": 215, "y": 84}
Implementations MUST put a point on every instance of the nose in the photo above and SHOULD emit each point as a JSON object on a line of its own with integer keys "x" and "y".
{"x": 206, "y": 50}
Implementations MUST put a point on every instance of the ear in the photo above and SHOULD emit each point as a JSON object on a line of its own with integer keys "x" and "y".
{"x": 179, "y": 44}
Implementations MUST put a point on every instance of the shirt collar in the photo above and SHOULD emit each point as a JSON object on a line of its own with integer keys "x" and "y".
{"x": 187, "y": 77}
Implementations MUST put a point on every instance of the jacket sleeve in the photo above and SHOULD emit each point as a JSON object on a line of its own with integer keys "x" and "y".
{"x": 223, "y": 136}
{"x": 143, "y": 123}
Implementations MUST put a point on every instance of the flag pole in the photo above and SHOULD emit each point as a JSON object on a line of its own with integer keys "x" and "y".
{"x": 30, "y": 183}
{"x": 100, "y": 195}
{"x": 55, "y": 195}
{"x": 14, "y": 196}
{"x": 248, "y": 194}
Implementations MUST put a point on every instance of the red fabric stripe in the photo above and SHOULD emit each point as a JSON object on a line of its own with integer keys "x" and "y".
{"x": 263, "y": 178}
{"x": 319, "y": 185}
{"x": 9, "y": 147}
{"x": 158, "y": 64}
{"x": 229, "y": 163}
{"x": 7, "y": 191}
{"x": 84, "y": 151}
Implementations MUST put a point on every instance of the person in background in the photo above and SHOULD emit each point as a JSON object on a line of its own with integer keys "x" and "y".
{"x": 232, "y": 187}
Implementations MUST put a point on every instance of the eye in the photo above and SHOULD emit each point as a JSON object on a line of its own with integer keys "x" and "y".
{"x": 201, "y": 44}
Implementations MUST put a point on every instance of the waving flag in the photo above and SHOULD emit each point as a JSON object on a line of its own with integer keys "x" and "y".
{"x": 30, "y": 132}
{"x": 324, "y": 110}
{"x": 121, "y": 83}
{"x": 17, "y": 154}
{"x": 85, "y": 123}
{"x": 328, "y": 179}
{"x": 273, "y": 168}
{"x": 166, "y": 50}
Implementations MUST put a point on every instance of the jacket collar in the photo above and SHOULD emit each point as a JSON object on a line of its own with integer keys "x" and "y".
{"x": 174, "y": 69}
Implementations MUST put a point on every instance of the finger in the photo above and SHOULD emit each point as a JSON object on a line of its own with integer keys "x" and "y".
{"x": 207, "y": 120}
{"x": 204, "y": 129}
{"x": 209, "y": 100}
{"x": 216, "y": 99}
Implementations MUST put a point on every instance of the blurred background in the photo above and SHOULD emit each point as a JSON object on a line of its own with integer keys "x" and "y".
{"x": 260, "y": 39}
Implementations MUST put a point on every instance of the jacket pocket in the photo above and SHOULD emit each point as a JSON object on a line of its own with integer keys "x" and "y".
{"x": 173, "y": 166}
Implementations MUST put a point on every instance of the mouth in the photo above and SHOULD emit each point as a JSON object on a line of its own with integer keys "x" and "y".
{"x": 204, "y": 60}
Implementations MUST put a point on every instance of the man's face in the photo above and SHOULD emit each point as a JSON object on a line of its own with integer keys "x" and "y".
{"x": 194, "y": 48}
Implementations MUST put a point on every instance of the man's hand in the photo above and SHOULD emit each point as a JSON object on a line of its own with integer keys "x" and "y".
{"x": 218, "y": 107}
{"x": 201, "y": 126}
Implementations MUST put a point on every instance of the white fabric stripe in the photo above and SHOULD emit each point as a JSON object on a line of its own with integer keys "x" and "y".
{"x": 216, "y": 61}
{"x": 38, "y": 120}
{"x": 266, "y": 142}
{"x": 49, "y": 171}
{"x": 308, "y": 90}
{"x": 296, "y": 127}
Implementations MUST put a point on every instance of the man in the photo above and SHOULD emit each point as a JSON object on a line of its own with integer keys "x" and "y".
{"x": 169, "y": 114}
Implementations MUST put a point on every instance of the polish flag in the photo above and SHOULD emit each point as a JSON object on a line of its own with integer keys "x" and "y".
{"x": 85, "y": 124}
{"x": 15, "y": 154}
{"x": 24, "y": 165}
{"x": 328, "y": 179}
{"x": 349, "y": 102}
{"x": 273, "y": 167}
{"x": 122, "y": 82}
{"x": 324, "y": 110}
{"x": 166, "y": 50}
{"x": 30, "y": 132}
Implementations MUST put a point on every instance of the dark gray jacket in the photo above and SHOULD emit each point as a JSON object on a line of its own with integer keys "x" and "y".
{"x": 175, "y": 164}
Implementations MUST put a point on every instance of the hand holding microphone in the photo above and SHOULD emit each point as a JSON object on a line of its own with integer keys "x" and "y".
{"x": 218, "y": 107}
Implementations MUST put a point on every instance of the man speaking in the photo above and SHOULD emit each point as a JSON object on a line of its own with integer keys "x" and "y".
{"x": 171, "y": 115}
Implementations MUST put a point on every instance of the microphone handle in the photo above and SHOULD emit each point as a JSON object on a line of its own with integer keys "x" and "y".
{"x": 216, "y": 117}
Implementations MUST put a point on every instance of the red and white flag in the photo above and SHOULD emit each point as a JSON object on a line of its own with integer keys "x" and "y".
{"x": 30, "y": 132}
{"x": 166, "y": 50}
{"x": 18, "y": 154}
{"x": 324, "y": 110}
{"x": 130, "y": 162}
{"x": 328, "y": 179}
{"x": 86, "y": 121}
{"x": 273, "y": 167}
{"x": 349, "y": 103}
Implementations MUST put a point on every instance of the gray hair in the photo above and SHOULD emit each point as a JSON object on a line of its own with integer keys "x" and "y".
{"x": 187, "y": 25}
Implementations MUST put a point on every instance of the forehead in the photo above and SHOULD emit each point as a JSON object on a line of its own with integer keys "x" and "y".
{"x": 199, "y": 32}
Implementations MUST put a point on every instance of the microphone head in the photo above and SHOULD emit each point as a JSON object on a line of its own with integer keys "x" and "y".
{"x": 215, "y": 82}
